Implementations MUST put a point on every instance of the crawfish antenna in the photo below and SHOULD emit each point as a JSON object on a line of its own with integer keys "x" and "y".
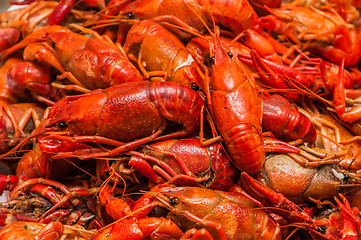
{"x": 36, "y": 132}
{"x": 200, "y": 18}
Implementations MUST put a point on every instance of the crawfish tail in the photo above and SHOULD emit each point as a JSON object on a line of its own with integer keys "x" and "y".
{"x": 177, "y": 103}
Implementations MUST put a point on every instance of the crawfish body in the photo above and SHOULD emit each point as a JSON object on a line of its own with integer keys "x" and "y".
{"x": 299, "y": 183}
{"x": 236, "y": 110}
{"x": 229, "y": 211}
{"x": 94, "y": 62}
{"x": 127, "y": 111}
{"x": 325, "y": 32}
{"x": 234, "y": 15}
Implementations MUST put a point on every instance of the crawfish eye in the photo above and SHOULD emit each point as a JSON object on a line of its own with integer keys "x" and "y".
{"x": 131, "y": 15}
{"x": 211, "y": 61}
{"x": 194, "y": 86}
{"x": 230, "y": 54}
{"x": 173, "y": 200}
{"x": 322, "y": 230}
{"x": 62, "y": 124}
{"x": 321, "y": 90}
{"x": 346, "y": 176}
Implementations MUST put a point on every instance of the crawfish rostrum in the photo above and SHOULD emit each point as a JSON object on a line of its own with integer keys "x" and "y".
{"x": 167, "y": 119}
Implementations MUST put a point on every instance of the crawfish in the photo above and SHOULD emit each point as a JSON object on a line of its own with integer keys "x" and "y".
{"x": 285, "y": 121}
{"x": 187, "y": 160}
{"x": 249, "y": 39}
{"x": 235, "y": 106}
{"x": 225, "y": 215}
{"x": 31, "y": 78}
{"x": 344, "y": 224}
{"x": 38, "y": 162}
{"x": 123, "y": 113}
{"x": 159, "y": 50}
{"x": 298, "y": 183}
{"x": 232, "y": 15}
{"x": 85, "y": 61}
{"x": 330, "y": 32}
{"x": 44, "y": 200}
{"x": 137, "y": 229}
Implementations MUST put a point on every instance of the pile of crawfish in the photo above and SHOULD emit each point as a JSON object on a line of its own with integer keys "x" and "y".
{"x": 180, "y": 119}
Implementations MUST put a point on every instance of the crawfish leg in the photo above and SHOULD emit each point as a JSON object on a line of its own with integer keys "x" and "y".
{"x": 197, "y": 233}
{"x": 120, "y": 147}
{"x": 43, "y": 53}
{"x": 339, "y": 99}
{"x": 221, "y": 232}
{"x": 33, "y": 181}
{"x": 25, "y": 118}
{"x": 5, "y": 107}
{"x": 70, "y": 87}
{"x": 272, "y": 144}
{"x": 147, "y": 74}
{"x": 179, "y": 22}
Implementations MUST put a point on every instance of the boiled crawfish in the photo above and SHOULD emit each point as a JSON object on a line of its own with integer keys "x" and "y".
{"x": 235, "y": 106}
{"x": 182, "y": 161}
{"x": 225, "y": 215}
{"x": 86, "y": 61}
{"x": 103, "y": 115}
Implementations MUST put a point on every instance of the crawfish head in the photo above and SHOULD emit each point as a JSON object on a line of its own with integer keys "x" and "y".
{"x": 232, "y": 213}
{"x": 178, "y": 200}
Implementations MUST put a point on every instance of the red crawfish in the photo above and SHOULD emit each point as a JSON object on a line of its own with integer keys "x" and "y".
{"x": 137, "y": 229}
{"x": 320, "y": 31}
{"x": 249, "y": 39}
{"x": 134, "y": 112}
{"x": 298, "y": 183}
{"x": 159, "y": 51}
{"x": 27, "y": 79}
{"x": 235, "y": 106}
{"x": 225, "y": 215}
{"x": 282, "y": 77}
{"x": 185, "y": 159}
{"x": 61, "y": 11}
{"x": 86, "y": 61}
{"x": 45, "y": 200}
{"x": 342, "y": 224}
{"x": 232, "y": 15}
{"x": 344, "y": 101}
{"x": 285, "y": 121}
